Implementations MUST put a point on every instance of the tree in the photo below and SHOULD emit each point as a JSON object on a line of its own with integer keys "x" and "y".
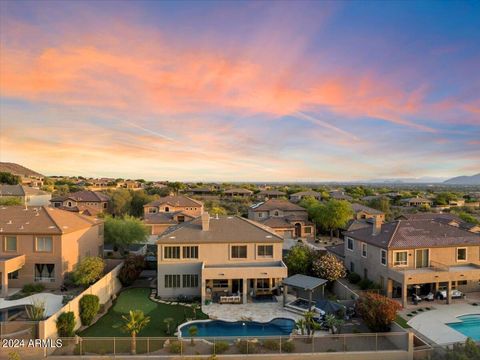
{"x": 168, "y": 322}
{"x": 218, "y": 210}
{"x": 131, "y": 269}
{"x": 139, "y": 198}
{"x": 176, "y": 186}
{"x": 134, "y": 323}
{"x": 444, "y": 198}
{"x": 122, "y": 232}
{"x": 311, "y": 205}
{"x": 377, "y": 311}
{"x": 8, "y": 178}
{"x": 333, "y": 323}
{"x": 468, "y": 218}
{"x": 10, "y": 200}
{"x": 333, "y": 215}
{"x": 299, "y": 260}
{"x": 88, "y": 270}
{"x": 120, "y": 202}
{"x": 381, "y": 203}
{"x": 328, "y": 267}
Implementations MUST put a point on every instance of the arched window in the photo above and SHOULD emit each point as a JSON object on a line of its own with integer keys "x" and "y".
{"x": 276, "y": 213}
{"x": 167, "y": 209}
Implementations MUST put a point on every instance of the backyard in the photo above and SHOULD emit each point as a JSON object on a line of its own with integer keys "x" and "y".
{"x": 138, "y": 299}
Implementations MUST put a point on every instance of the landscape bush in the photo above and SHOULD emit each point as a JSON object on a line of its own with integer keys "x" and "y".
{"x": 247, "y": 347}
{"x": 32, "y": 288}
{"x": 66, "y": 324}
{"x": 175, "y": 347}
{"x": 377, "y": 311}
{"x": 288, "y": 346}
{"x": 354, "y": 278}
{"x": 89, "y": 307}
{"x": 366, "y": 284}
{"x": 131, "y": 269}
{"x": 221, "y": 347}
{"x": 271, "y": 344}
{"x": 88, "y": 270}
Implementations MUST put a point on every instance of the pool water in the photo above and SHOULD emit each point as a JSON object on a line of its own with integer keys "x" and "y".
{"x": 468, "y": 326}
{"x": 219, "y": 328}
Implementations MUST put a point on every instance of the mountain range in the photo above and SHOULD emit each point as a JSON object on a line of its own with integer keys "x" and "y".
{"x": 464, "y": 180}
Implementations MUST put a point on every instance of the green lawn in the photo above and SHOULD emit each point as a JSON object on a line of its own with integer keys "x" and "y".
{"x": 402, "y": 322}
{"x": 138, "y": 299}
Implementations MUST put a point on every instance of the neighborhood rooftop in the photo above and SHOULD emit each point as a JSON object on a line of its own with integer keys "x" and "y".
{"x": 83, "y": 196}
{"x": 274, "y": 204}
{"x": 176, "y": 200}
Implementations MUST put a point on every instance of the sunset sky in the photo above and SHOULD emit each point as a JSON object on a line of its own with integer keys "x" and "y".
{"x": 260, "y": 91}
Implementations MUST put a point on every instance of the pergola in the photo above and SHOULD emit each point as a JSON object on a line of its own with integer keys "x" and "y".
{"x": 303, "y": 282}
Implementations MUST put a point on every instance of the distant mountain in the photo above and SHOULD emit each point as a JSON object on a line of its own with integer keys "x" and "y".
{"x": 420, "y": 180}
{"x": 464, "y": 180}
{"x": 17, "y": 169}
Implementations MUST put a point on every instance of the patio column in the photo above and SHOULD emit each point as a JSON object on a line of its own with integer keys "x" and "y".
{"x": 310, "y": 295}
{"x": 404, "y": 295}
{"x": 245, "y": 290}
{"x": 285, "y": 291}
{"x": 4, "y": 283}
{"x": 389, "y": 288}
{"x": 449, "y": 292}
{"x": 204, "y": 291}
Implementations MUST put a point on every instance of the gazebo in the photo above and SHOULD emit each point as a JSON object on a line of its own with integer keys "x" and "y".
{"x": 307, "y": 284}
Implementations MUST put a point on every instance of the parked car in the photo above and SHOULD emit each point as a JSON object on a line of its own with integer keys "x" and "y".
{"x": 455, "y": 294}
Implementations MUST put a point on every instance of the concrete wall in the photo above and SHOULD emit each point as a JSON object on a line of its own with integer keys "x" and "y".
{"x": 104, "y": 288}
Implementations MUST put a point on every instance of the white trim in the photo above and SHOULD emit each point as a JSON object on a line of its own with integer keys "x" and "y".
{"x": 386, "y": 257}
{"x": 353, "y": 244}
{"x": 415, "y": 257}
{"x": 361, "y": 250}
{"x": 394, "y": 261}
{"x": 466, "y": 254}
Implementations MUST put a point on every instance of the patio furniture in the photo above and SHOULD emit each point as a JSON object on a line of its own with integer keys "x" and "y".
{"x": 235, "y": 299}
{"x": 429, "y": 297}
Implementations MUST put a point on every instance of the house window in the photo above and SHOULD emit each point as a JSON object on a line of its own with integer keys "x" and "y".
{"x": 105, "y": 205}
{"x": 171, "y": 252}
{"x": 220, "y": 283}
{"x": 350, "y": 244}
{"x": 462, "y": 283}
{"x": 69, "y": 204}
{"x": 172, "y": 281}
{"x": 239, "y": 252}
{"x": 352, "y": 267}
{"x": 10, "y": 243}
{"x": 263, "y": 284}
{"x": 265, "y": 250}
{"x": 307, "y": 230}
{"x": 276, "y": 213}
{"x": 44, "y": 244}
{"x": 167, "y": 209}
{"x": 461, "y": 254}
{"x": 13, "y": 275}
{"x": 190, "y": 252}
{"x": 364, "y": 250}
{"x": 260, "y": 215}
{"x": 383, "y": 257}
{"x": 400, "y": 258}
{"x": 152, "y": 210}
{"x": 180, "y": 218}
{"x": 190, "y": 280}
{"x": 44, "y": 272}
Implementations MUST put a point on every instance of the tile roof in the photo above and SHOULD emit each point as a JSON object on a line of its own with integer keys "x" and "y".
{"x": 271, "y": 192}
{"x": 83, "y": 196}
{"x": 357, "y": 224}
{"x": 307, "y": 193}
{"x": 224, "y": 229}
{"x": 176, "y": 200}
{"x": 338, "y": 249}
{"x": 359, "y": 207}
{"x": 274, "y": 204}
{"x": 277, "y": 222}
{"x": 164, "y": 217}
{"x": 238, "y": 191}
{"x": 41, "y": 220}
{"x": 19, "y": 190}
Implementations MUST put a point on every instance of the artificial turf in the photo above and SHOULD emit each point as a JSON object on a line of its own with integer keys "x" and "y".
{"x": 138, "y": 299}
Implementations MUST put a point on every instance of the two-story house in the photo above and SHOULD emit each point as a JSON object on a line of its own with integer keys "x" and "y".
{"x": 221, "y": 259}
{"x": 27, "y": 195}
{"x": 298, "y": 196}
{"x": 416, "y": 202}
{"x": 362, "y": 212}
{"x": 238, "y": 192}
{"x": 86, "y": 200}
{"x": 42, "y": 244}
{"x": 286, "y": 219}
{"x": 270, "y": 194}
{"x": 423, "y": 254}
{"x": 170, "y": 210}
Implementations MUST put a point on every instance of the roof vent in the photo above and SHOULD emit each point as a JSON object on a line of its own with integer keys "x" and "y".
{"x": 9, "y": 222}
{"x": 21, "y": 227}
{"x": 1, "y": 229}
{"x": 172, "y": 237}
{"x": 28, "y": 222}
{"x": 268, "y": 236}
{"x": 51, "y": 227}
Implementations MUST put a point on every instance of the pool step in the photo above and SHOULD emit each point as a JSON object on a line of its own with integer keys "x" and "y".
{"x": 294, "y": 310}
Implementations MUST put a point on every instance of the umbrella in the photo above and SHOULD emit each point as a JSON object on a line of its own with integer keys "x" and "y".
{"x": 330, "y": 307}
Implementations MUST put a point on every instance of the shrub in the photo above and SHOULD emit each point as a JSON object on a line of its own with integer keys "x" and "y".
{"x": 32, "y": 288}
{"x": 89, "y": 270}
{"x": 271, "y": 344}
{"x": 354, "y": 278}
{"x": 220, "y": 347}
{"x": 89, "y": 306}
{"x": 288, "y": 346}
{"x": 328, "y": 267}
{"x": 131, "y": 269}
{"x": 66, "y": 324}
{"x": 247, "y": 347}
{"x": 377, "y": 311}
{"x": 175, "y": 347}
{"x": 36, "y": 311}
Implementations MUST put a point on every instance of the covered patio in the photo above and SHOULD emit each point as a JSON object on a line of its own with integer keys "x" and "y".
{"x": 9, "y": 264}
{"x": 307, "y": 288}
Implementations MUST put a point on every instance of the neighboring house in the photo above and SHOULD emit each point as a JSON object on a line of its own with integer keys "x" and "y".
{"x": 81, "y": 200}
{"x": 339, "y": 195}
{"x": 130, "y": 184}
{"x": 203, "y": 191}
{"x": 371, "y": 197}
{"x": 28, "y": 195}
{"x": 42, "y": 244}
{"x": 286, "y": 219}
{"x": 221, "y": 259}
{"x": 237, "y": 193}
{"x": 302, "y": 194}
{"x": 423, "y": 254}
{"x": 270, "y": 194}
{"x": 28, "y": 176}
{"x": 446, "y": 218}
{"x": 160, "y": 214}
{"x": 362, "y": 212}
{"x": 416, "y": 202}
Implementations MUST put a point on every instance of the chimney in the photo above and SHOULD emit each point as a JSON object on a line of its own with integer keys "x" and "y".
{"x": 205, "y": 221}
{"x": 377, "y": 225}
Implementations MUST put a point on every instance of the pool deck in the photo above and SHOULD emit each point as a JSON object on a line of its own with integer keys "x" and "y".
{"x": 261, "y": 312}
{"x": 433, "y": 324}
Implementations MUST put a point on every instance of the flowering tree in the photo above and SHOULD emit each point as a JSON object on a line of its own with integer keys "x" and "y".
{"x": 377, "y": 311}
{"x": 328, "y": 267}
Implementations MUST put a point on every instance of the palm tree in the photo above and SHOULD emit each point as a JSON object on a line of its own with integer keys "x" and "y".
{"x": 300, "y": 325}
{"x": 309, "y": 322}
{"x": 134, "y": 323}
{"x": 192, "y": 331}
{"x": 168, "y": 321}
{"x": 333, "y": 323}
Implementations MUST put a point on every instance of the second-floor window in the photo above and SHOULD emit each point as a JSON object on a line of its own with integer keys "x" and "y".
{"x": 239, "y": 252}
{"x": 44, "y": 243}
{"x": 350, "y": 244}
{"x": 190, "y": 252}
{"x": 265, "y": 250}
{"x": 364, "y": 250}
{"x": 10, "y": 243}
{"x": 461, "y": 254}
{"x": 383, "y": 257}
{"x": 400, "y": 258}
{"x": 171, "y": 252}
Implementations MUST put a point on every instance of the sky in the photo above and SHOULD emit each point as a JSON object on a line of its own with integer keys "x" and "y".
{"x": 241, "y": 91}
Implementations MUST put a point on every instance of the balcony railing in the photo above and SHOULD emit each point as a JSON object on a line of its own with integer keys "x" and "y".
{"x": 44, "y": 279}
{"x": 433, "y": 266}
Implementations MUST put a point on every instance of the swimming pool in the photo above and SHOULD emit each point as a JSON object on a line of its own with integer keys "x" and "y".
{"x": 219, "y": 328}
{"x": 469, "y": 325}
